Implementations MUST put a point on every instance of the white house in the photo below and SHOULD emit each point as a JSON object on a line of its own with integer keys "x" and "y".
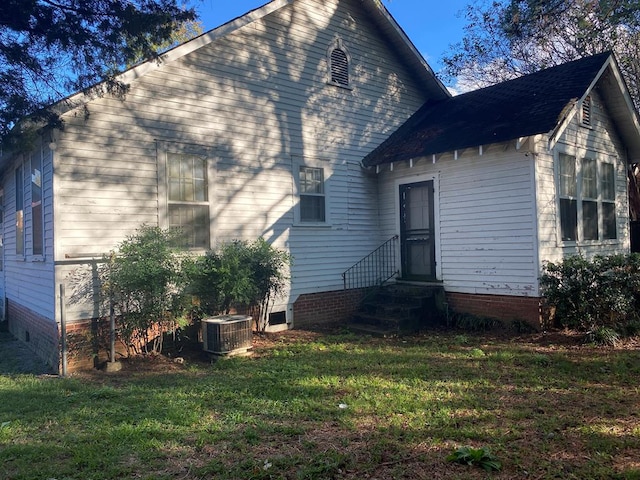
{"x": 317, "y": 125}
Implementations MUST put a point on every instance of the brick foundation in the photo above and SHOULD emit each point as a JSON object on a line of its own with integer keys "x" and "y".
{"x": 326, "y": 307}
{"x": 82, "y": 348}
{"x": 502, "y": 307}
{"x": 38, "y": 333}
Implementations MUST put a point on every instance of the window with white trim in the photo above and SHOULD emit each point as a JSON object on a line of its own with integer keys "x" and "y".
{"x": 586, "y": 191}
{"x": 339, "y": 61}
{"x": 188, "y": 199}
{"x": 312, "y": 195}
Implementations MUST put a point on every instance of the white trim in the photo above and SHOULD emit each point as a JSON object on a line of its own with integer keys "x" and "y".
{"x": 327, "y": 172}
{"x": 537, "y": 263}
{"x": 627, "y": 98}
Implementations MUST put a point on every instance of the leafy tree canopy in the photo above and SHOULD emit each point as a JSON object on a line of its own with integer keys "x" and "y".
{"x": 508, "y": 38}
{"x": 50, "y": 48}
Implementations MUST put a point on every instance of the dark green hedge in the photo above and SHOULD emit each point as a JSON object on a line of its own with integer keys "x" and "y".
{"x": 590, "y": 294}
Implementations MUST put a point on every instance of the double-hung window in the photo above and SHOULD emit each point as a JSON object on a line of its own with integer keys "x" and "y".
{"x": 188, "y": 199}
{"x": 312, "y": 195}
{"x": 586, "y": 189}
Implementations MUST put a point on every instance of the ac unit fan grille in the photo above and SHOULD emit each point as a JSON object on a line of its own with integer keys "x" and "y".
{"x": 227, "y": 334}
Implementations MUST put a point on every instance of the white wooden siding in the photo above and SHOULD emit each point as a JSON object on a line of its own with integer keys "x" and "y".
{"x": 256, "y": 100}
{"x": 485, "y": 223}
{"x": 601, "y": 139}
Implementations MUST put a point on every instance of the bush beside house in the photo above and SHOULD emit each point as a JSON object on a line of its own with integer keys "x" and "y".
{"x": 599, "y": 296}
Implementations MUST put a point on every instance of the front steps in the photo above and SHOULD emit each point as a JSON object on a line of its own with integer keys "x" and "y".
{"x": 401, "y": 307}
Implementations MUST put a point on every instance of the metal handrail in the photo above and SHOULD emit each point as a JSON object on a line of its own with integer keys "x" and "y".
{"x": 374, "y": 269}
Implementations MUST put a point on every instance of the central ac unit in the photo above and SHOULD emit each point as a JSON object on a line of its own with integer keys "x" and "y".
{"x": 227, "y": 334}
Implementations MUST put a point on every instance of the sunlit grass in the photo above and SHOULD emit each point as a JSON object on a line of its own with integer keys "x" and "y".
{"x": 335, "y": 407}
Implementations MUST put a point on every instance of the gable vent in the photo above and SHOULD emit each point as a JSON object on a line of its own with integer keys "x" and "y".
{"x": 586, "y": 111}
{"x": 339, "y": 67}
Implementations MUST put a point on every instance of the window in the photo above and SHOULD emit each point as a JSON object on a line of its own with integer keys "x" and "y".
{"x": 188, "y": 202}
{"x": 37, "y": 220}
{"x": 587, "y": 199}
{"x": 338, "y": 60}
{"x": 19, "y": 211}
{"x": 312, "y": 195}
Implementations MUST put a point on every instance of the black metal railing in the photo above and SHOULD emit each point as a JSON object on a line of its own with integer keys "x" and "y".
{"x": 374, "y": 269}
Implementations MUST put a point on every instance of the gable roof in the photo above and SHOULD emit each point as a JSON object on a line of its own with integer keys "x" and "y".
{"x": 533, "y": 104}
{"x": 386, "y": 24}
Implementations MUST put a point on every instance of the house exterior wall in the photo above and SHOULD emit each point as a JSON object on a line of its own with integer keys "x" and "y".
{"x": 484, "y": 218}
{"x": 256, "y": 104}
{"x": 599, "y": 141}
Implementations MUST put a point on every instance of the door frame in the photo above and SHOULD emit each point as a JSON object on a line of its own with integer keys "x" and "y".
{"x": 436, "y": 217}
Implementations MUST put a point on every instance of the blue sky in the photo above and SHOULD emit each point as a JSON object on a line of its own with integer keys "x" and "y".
{"x": 431, "y": 25}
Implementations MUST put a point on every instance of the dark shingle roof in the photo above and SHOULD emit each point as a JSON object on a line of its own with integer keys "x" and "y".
{"x": 516, "y": 108}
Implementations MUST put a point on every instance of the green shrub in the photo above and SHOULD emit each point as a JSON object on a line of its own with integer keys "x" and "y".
{"x": 143, "y": 282}
{"x": 589, "y": 294}
{"x": 237, "y": 275}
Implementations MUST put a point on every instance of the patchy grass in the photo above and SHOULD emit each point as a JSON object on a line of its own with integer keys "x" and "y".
{"x": 329, "y": 406}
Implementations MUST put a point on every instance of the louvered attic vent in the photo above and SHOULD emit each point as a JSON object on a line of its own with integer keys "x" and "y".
{"x": 586, "y": 111}
{"x": 339, "y": 67}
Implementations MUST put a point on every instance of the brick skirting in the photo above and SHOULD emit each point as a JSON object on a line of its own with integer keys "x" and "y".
{"x": 326, "y": 307}
{"x": 502, "y": 307}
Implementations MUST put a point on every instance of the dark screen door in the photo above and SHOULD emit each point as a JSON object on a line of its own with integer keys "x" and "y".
{"x": 417, "y": 231}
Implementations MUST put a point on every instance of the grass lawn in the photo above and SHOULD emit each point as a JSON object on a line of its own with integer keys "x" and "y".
{"x": 335, "y": 406}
